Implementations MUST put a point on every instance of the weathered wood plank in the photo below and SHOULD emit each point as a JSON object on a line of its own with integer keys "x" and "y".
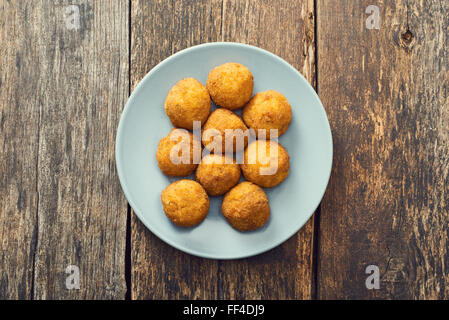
{"x": 386, "y": 94}
{"x": 19, "y": 122}
{"x": 158, "y": 270}
{"x": 285, "y": 28}
{"x": 159, "y": 29}
{"x": 81, "y": 77}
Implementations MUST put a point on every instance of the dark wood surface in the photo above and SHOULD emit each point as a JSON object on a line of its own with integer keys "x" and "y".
{"x": 386, "y": 95}
{"x": 62, "y": 93}
{"x": 285, "y": 272}
{"x": 387, "y": 203}
{"x": 19, "y": 127}
{"x": 159, "y": 29}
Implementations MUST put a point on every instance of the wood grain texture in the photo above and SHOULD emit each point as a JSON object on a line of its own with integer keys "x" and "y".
{"x": 19, "y": 121}
{"x": 285, "y": 28}
{"x": 386, "y": 94}
{"x": 81, "y": 78}
{"x": 159, "y": 29}
{"x": 159, "y": 271}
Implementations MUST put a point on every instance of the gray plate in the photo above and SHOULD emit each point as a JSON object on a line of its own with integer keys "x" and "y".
{"x": 308, "y": 141}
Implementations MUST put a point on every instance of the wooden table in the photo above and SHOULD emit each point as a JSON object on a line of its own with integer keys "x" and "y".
{"x": 380, "y": 70}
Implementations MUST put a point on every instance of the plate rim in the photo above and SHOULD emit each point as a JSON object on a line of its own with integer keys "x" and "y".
{"x": 118, "y": 149}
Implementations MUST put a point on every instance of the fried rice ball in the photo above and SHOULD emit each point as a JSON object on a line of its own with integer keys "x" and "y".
{"x": 268, "y": 110}
{"x": 266, "y": 163}
{"x": 222, "y": 119}
{"x": 180, "y": 146}
{"x": 246, "y": 207}
{"x": 230, "y": 85}
{"x": 185, "y": 203}
{"x": 217, "y": 174}
{"x": 186, "y": 102}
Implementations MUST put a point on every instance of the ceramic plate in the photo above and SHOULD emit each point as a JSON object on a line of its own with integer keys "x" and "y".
{"x": 308, "y": 141}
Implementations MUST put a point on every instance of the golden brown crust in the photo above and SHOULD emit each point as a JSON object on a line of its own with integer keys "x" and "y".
{"x": 275, "y": 166}
{"x": 222, "y": 119}
{"x": 186, "y": 102}
{"x": 216, "y": 175}
{"x": 165, "y": 147}
{"x": 246, "y": 207}
{"x": 268, "y": 110}
{"x": 185, "y": 203}
{"x": 230, "y": 85}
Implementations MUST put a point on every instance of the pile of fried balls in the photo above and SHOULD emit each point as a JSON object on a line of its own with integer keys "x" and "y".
{"x": 245, "y": 205}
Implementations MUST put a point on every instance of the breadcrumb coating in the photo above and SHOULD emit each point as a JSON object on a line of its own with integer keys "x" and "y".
{"x": 266, "y": 163}
{"x": 186, "y": 102}
{"x": 246, "y": 207}
{"x": 217, "y": 174}
{"x": 268, "y": 110}
{"x": 185, "y": 203}
{"x": 224, "y": 121}
{"x": 167, "y": 145}
{"x": 230, "y": 85}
